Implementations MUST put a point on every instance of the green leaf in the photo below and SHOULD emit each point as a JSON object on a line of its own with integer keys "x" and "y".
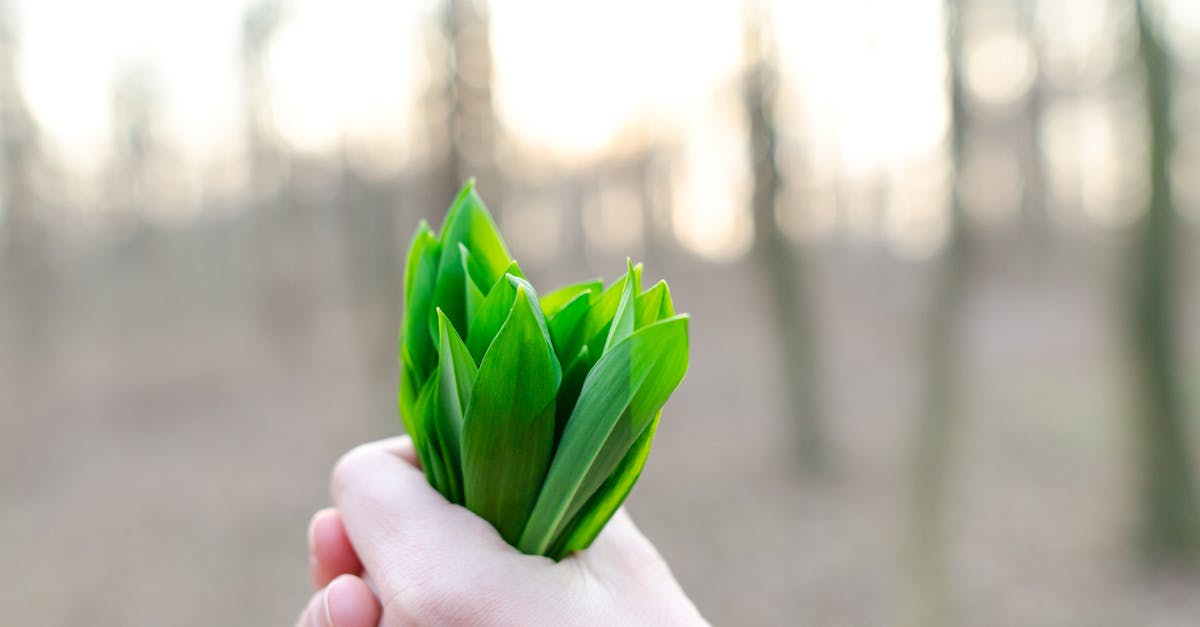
{"x": 508, "y": 433}
{"x": 440, "y": 451}
{"x": 417, "y": 348}
{"x": 478, "y": 275}
{"x": 458, "y": 369}
{"x": 622, "y": 323}
{"x": 428, "y": 449}
{"x": 544, "y": 453}
{"x": 457, "y": 376}
{"x": 423, "y": 238}
{"x": 407, "y": 398}
{"x": 566, "y": 325}
{"x": 491, "y": 315}
{"x": 476, "y": 281}
{"x": 654, "y": 304}
{"x": 604, "y": 307}
{"x": 620, "y": 397}
{"x": 468, "y": 222}
{"x": 568, "y": 391}
{"x": 590, "y": 520}
{"x": 555, "y": 301}
{"x": 494, "y": 312}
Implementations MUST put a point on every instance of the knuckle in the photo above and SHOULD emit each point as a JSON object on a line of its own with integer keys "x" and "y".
{"x": 435, "y": 600}
{"x": 345, "y": 469}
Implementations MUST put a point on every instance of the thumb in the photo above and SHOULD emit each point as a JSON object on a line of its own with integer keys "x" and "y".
{"x": 402, "y": 529}
{"x": 346, "y": 602}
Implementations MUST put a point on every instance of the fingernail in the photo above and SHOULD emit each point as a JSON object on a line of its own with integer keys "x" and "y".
{"x": 328, "y": 613}
{"x": 335, "y": 593}
{"x": 312, "y": 546}
{"x": 312, "y": 530}
{"x": 312, "y": 527}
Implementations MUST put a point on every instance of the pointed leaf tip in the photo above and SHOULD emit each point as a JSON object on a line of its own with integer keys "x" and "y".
{"x": 620, "y": 397}
{"x": 508, "y": 434}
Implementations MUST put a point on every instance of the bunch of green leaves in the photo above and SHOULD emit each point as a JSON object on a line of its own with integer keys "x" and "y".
{"x": 536, "y": 413}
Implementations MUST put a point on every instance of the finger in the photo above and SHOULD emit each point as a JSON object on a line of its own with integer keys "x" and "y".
{"x": 349, "y": 602}
{"x": 346, "y": 602}
{"x": 401, "y": 527}
{"x": 330, "y": 552}
{"x": 400, "y": 446}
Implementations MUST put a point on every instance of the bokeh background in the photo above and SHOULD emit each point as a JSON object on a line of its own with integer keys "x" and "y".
{"x": 941, "y": 260}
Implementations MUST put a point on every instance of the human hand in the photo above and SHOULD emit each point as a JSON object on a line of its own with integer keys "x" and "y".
{"x": 395, "y": 552}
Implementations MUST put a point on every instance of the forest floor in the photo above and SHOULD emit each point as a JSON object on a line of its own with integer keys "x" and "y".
{"x": 166, "y": 437}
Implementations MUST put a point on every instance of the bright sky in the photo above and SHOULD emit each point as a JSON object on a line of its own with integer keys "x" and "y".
{"x": 71, "y": 50}
{"x": 867, "y": 79}
{"x": 569, "y": 74}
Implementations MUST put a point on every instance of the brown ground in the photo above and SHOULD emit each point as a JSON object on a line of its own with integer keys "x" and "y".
{"x": 166, "y": 438}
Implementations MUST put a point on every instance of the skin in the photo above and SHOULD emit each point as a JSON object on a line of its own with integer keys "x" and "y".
{"x": 394, "y": 552}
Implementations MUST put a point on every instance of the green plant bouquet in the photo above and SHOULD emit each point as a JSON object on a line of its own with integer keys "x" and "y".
{"x": 536, "y": 413}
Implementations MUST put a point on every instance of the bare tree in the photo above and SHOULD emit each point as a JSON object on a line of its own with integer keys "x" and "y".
{"x": 463, "y": 95}
{"x": 29, "y": 276}
{"x": 1035, "y": 218}
{"x": 777, "y": 257}
{"x": 136, "y": 149}
{"x": 280, "y": 231}
{"x": 18, "y": 134}
{"x": 266, "y": 160}
{"x": 938, "y": 421}
{"x": 1170, "y": 521}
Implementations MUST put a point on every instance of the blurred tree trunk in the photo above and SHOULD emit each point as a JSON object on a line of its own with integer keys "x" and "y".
{"x": 1170, "y": 524}
{"x": 27, "y": 272}
{"x": 18, "y": 135}
{"x": 939, "y": 419}
{"x": 280, "y": 231}
{"x": 776, "y": 255}
{"x": 267, "y": 161}
{"x": 1035, "y": 219}
{"x": 469, "y": 127}
{"x": 136, "y": 149}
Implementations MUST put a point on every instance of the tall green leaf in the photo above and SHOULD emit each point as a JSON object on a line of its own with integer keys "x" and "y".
{"x": 622, "y": 322}
{"x": 476, "y": 281}
{"x": 469, "y": 223}
{"x": 568, "y": 391}
{"x": 457, "y": 377}
{"x": 423, "y": 238}
{"x": 427, "y": 445}
{"x": 421, "y": 276}
{"x": 492, "y": 313}
{"x": 590, "y": 520}
{"x": 410, "y": 376}
{"x": 654, "y": 304}
{"x": 566, "y": 326}
{"x": 553, "y": 302}
{"x": 508, "y": 433}
{"x": 416, "y": 349}
{"x": 407, "y": 398}
{"x": 600, "y": 317}
{"x": 620, "y": 397}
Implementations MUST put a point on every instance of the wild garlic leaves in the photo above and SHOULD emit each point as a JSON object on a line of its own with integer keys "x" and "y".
{"x": 535, "y": 413}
